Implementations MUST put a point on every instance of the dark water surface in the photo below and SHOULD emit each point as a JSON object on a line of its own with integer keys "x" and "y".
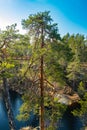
{"x": 16, "y": 103}
{"x": 68, "y": 122}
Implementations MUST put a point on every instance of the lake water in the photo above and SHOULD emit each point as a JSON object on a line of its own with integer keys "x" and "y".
{"x": 16, "y": 103}
{"x": 68, "y": 122}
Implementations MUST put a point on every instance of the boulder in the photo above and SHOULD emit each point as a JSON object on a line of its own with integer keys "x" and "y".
{"x": 26, "y": 128}
{"x": 67, "y": 99}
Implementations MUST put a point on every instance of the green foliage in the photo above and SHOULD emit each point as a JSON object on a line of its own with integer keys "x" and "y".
{"x": 7, "y": 40}
{"x": 35, "y": 22}
{"x": 83, "y": 110}
{"x": 73, "y": 70}
{"x": 81, "y": 89}
{"x": 83, "y": 101}
{"x": 7, "y": 65}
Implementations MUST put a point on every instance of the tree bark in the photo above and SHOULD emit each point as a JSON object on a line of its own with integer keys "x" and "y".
{"x": 8, "y": 105}
{"x": 42, "y": 87}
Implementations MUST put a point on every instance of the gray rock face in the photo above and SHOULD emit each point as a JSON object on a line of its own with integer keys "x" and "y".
{"x": 67, "y": 99}
{"x": 30, "y": 128}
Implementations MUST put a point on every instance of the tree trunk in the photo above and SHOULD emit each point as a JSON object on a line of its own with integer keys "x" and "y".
{"x": 8, "y": 105}
{"x": 42, "y": 88}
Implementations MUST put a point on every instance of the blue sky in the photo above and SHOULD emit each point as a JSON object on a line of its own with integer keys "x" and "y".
{"x": 71, "y": 15}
